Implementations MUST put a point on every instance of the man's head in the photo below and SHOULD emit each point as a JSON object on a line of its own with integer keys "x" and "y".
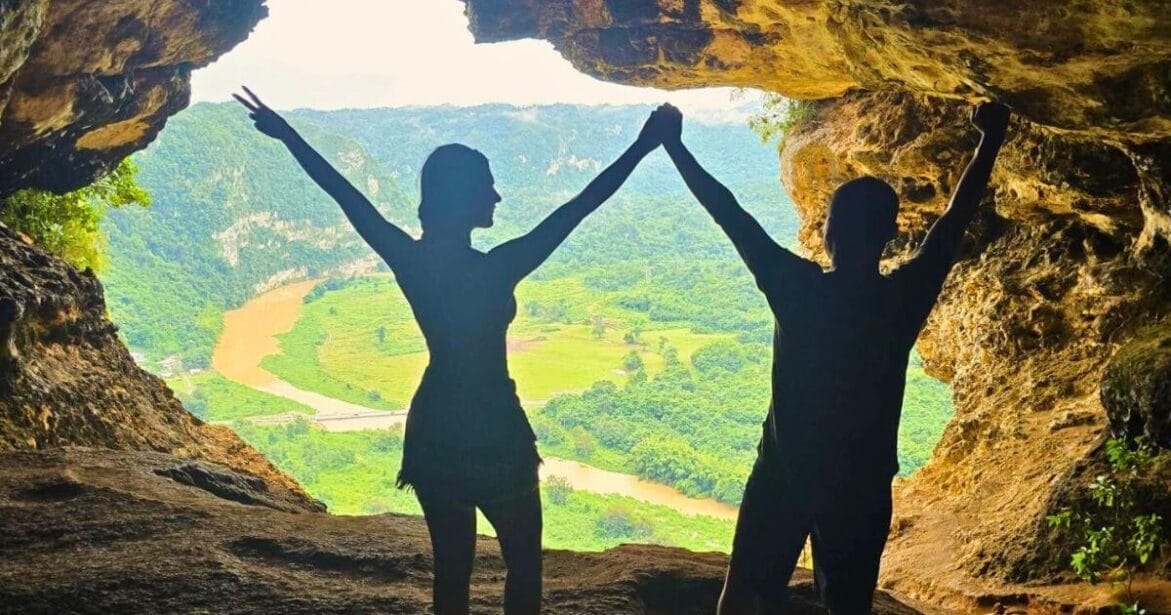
{"x": 861, "y": 222}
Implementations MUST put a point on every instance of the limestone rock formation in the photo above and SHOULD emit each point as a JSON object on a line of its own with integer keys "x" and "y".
{"x": 1099, "y": 66}
{"x": 1050, "y": 321}
{"x": 84, "y": 84}
{"x": 99, "y": 531}
{"x": 66, "y": 378}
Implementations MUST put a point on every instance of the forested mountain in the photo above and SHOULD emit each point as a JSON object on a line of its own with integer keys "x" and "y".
{"x": 234, "y": 215}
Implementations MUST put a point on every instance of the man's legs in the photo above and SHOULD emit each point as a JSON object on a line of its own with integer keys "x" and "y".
{"x": 849, "y": 534}
{"x": 770, "y": 534}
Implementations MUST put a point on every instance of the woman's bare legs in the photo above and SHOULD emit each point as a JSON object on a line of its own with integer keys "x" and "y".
{"x": 518, "y": 527}
{"x": 453, "y": 542}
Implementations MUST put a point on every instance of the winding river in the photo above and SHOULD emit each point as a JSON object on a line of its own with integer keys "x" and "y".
{"x": 250, "y": 335}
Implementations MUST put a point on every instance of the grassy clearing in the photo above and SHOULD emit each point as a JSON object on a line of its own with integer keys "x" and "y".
{"x": 354, "y": 474}
{"x": 360, "y": 343}
{"x": 212, "y": 397}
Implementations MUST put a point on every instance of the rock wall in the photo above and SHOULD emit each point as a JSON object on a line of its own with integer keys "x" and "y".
{"x": 84, "y": 84}
{"x": 1095, "y": 65}
{"x": 66, "y": 378}
{"x": 1048, "y": 328}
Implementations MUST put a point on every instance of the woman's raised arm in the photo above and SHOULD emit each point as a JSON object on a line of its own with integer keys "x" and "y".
{"x": 522, "y": 255}
{"x": 388, "y": 240}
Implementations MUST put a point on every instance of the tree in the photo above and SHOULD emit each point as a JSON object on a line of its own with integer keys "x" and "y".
{"x": 723, "y": 355}
{"x": 197, "y": 404}
{"x": 599, "y": 324}
{"x": 583, "y": 442}
{"x": 557, "y": 489}
{"x": 68, "y": 225}
{"x": 619, "y": 522}
{"x": 632, "y": 362}
{"x": 670, "y": 353}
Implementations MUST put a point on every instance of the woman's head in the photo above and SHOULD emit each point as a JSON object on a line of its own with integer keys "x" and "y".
{"x": 862, "y": 220}
{"x": 458, "y": 190}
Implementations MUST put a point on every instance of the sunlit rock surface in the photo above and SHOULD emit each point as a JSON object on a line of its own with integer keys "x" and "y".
{"x": 1096, "y": 65}
{"x": 1049, "y": 314}
{"x": 84, "y": 84}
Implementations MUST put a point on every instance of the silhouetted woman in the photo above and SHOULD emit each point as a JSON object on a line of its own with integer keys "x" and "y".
{"x": 468, "y": 443}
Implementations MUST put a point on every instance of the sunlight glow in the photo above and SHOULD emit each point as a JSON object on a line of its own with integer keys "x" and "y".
{"x": 390, "y": 53}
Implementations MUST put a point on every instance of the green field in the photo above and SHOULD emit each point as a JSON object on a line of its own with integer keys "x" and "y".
{"x": 354, "y": 474}
{"x": 360, "y": 343}
{"x": 212, "y": 397}
{"x": 605, "y": 382}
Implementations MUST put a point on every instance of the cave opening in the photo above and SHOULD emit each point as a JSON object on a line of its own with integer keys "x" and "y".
{"x": 1052, "y": 330}
{"x": 244, "y": 287}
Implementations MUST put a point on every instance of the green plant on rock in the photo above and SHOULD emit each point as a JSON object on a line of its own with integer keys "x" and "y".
{"x": 68, "y": 225}
{"x": 779, "y": 115}
{"x": 1118, "y": 536}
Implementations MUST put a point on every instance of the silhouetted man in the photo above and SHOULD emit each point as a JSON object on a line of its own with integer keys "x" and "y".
{"x": 843, "y": 337}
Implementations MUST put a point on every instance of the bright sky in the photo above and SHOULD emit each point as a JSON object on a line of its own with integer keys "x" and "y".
{"x": 389, "y": 53}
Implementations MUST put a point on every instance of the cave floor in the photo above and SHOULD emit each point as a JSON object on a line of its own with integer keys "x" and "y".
{"x": 100, "y": 531}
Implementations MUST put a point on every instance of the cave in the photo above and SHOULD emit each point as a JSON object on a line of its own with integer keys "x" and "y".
{"x": 1053, "y": 329}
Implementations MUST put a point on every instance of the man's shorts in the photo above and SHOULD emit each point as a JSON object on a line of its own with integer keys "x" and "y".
{"x": 847, "y": 520}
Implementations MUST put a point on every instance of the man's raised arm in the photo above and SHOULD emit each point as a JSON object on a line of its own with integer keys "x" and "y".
{"x": 943, "y": 240}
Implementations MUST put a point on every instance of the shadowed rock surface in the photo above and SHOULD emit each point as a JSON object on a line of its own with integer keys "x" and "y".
{"x": 98, "y": 531}
{"x": 66, "y": 378}
{"x": 84, "y": 84}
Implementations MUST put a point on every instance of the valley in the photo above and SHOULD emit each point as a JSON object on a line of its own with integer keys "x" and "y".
{"x": 643, "y": 368}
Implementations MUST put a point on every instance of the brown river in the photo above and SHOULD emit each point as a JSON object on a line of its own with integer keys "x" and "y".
{"x": 250, "y": 335}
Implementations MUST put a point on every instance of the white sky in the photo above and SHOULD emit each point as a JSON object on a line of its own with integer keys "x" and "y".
{"x": 386, "y": 53}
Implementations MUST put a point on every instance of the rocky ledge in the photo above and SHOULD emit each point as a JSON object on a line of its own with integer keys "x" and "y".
{"x": 101, "y": 531}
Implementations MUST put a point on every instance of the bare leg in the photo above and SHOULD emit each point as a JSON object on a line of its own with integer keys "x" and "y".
{"x": 453, "y": 541}
{"x": 518, "y": 527}
{"x": 737, "y": 598}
